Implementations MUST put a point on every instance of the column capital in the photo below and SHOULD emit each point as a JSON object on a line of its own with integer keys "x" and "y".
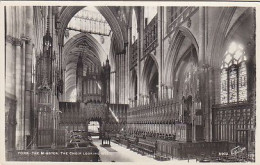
{"x": 13, "y": 40}
{"x": 25, "y": 38}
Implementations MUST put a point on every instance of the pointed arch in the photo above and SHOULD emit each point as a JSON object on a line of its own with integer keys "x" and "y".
{"x": 150, "y": 77}
{"x": 79, "y": 38}
{"x": 68, "y": 12}
{"x": 219, "y": 36}
{"x": 173, "y": 56}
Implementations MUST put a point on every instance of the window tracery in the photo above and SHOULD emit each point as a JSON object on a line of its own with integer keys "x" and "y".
{"x": 89, "y": 20}
{"x": 134, "y": 27}
{"x": 149, "y": 13}
{"x": 234, "y": 75}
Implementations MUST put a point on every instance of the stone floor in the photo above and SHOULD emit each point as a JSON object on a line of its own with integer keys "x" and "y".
{"x": 120, "y": 153}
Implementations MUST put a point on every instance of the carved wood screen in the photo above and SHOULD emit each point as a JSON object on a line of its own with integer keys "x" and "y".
{"x": 45, "y": 120}
{"x": 228, "y": 119}
{"x": 117, "y": 117}
{"x": 76, "y": 114}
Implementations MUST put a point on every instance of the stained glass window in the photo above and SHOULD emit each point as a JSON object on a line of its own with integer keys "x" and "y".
{"x": 233, "y": 84}
{"x": 134, "y": 27}
{"x": 224, "y": 91}
{"x": 233, "y": 75}
{"x": 242, "y": 82}
{"x": 149, "y": 13}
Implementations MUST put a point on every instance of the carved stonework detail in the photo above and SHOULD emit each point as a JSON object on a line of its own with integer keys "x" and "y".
{"x": 189, "y": 23}
{"x": 67, "y": 34}
{"x": 11, "y": 112}
{"x": 83, "y": 45}
{"x": 10, "y": 39}
{"x": 14, "y": 41}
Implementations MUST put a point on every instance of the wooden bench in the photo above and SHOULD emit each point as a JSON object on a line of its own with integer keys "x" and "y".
{"x": 162, "y": 157}
{"x": 147, "y": 146}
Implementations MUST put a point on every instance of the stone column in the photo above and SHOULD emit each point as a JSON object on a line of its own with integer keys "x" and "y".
{"x": 19, "y": 137}
{"x": 10, "y": 43}
{"x": 86, "y": 127}
{"x": 64, "y": 89}
{"x": 159, "y": 52}
{"x": 201, "y": 35}
{"x": 120, "y": 78}
{"x": 28, "y": 71}
{"x": 163, "y": 92}
{"x": 79, "y": 78}
{"x": 10, "y": 82}
{"x": 125, "y": 76}
{"x": 140, "y": 48}
{"x": 13, "y": 69}
{"x": 117, "y": 79}
{"x": 22, "y": 15}
{"x": 193, "y": 122}
{"x": 128, "y": 61}
{"x": 203, "y": 76}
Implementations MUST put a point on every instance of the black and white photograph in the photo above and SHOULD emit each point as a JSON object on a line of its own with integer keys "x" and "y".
{"x": 129, "y": 82}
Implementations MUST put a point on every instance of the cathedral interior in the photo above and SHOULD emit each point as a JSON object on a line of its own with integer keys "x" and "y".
{"x": 169, "y": 82}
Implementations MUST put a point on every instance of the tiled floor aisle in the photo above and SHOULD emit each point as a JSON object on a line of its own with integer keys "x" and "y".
{"x": 123, "y": 154}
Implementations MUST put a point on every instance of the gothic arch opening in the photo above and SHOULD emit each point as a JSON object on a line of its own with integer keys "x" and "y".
{"x": 234, "y": 83}
{"x": 185, "y": 73}
{"x": 94, "y": 128}
{"x": 239, "y": 41}
{"x": 187, "y": 94}
{"x": 179, "y": 44}
{"x": 69, "y": 11}
{"x": 91, "y": 52}
{"x": 150, "y": 81}
{"x": 134, "y": 26}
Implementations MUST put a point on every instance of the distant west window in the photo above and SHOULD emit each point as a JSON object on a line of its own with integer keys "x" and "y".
{"x": 234, "y": 75}
{"x": 134, "y": 27}
{"x": 149, "y": 13}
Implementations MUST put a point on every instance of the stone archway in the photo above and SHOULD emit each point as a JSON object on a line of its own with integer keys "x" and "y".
{"x": 95, "y": 127}
{"x": 175, "y": 52}
{"x": 69, "y": 11}
{"x": 133, "y": 87}
{"x": 150, "y": 80}
{"x": 186, "y": 89}
{"x": 90, "y": 40}
{"x": 219, "y": 35}
{"x": 93, "y": 54}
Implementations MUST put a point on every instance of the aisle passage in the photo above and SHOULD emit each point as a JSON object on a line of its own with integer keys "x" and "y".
{"x": 119, "y": 153}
